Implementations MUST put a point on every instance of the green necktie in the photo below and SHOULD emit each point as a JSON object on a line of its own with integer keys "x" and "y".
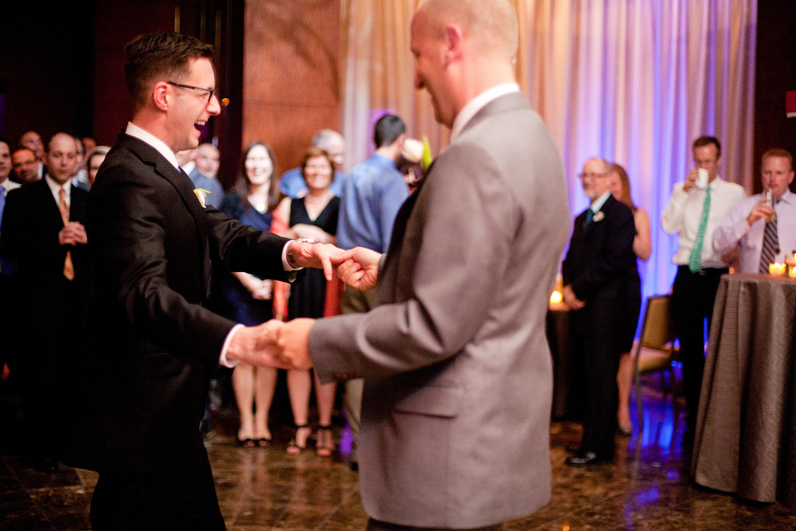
{"x": 695, "y": 259}
{"x": 589, "y": 215}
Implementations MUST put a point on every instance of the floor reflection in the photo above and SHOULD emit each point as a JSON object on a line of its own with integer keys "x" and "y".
{"x": 647, "y": 487}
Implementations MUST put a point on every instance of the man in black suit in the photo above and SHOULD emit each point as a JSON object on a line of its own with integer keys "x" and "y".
{"x": 596, "y": 271}
{"x": 151, "y": 241}
{"x": 44, "y": 239}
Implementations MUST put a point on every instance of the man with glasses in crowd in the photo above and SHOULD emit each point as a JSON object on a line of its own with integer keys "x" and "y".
{"x": 696, "y": 208}
{"x": 596, "y": 273}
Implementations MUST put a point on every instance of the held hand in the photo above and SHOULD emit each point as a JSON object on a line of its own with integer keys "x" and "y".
{"x": 691, "y": 180}
{"x": 256, "y": 345}
{"x": 359, "y": 268}
{"x": 293, "y": 340}
{"x": 570, "y": 299}
{"x": 760, "y": 211}
{"x": 73, "y": 233}
{"x": 318, "y": 255}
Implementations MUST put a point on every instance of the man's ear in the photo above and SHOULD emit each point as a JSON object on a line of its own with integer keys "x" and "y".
{"x": 160, "y": 95}
{"x": 453, "y": 38}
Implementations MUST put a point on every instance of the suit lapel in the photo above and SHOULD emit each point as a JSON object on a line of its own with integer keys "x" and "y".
{"x": 47, "y": 200}
{"x": 402, "y": 218}
{"x": 165, "y": 169}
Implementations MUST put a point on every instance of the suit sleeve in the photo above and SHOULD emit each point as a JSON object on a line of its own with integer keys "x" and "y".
{"x": 148, "y": 269}
{"x": 463, "y": 243}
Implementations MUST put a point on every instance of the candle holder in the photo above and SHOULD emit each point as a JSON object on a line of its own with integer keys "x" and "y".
{"x": 778, "y": 270}
{"x": 790, "y": 263}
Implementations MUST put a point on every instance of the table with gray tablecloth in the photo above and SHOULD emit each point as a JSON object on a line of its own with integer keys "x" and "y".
{"x": 745, "y": 441}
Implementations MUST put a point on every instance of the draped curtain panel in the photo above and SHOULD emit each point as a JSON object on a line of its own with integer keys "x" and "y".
{"x": 632, "y": 81}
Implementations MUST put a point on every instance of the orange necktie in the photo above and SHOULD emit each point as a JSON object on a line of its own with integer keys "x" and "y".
{"x": 69, "y": 269}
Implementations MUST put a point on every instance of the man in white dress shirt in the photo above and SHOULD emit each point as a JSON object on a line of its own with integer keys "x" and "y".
{"x": 744, "y": 228}
{"x": 694, "y": 211}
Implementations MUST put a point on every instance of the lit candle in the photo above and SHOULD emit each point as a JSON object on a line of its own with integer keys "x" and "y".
{"x": 792, "y": 272}
{"x": 777, "y": 269}
{"x": 556, "y": 297}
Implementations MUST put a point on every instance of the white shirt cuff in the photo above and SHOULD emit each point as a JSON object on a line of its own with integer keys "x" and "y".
{"x": 285, "y": 263}
{"x": 223, "y": 359}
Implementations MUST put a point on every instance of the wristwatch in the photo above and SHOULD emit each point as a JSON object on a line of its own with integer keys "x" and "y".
{"x": 292, "y": 261}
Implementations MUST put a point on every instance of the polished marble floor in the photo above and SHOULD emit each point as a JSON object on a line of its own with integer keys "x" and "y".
{"x": 646, "y": 488}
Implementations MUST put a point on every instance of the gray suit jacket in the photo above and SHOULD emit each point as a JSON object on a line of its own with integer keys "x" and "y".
{"x": 458, "y": 378}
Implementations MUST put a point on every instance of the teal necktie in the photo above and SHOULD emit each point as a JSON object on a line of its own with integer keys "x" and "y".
{"x": 695, "y": 259}
{"x": 589, "y": 215}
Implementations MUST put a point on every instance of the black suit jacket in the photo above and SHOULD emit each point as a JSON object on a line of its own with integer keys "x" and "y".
{"x": 31, "y": 223}
{"x": 599, "y": 264}
{"x": 157, "y": 347}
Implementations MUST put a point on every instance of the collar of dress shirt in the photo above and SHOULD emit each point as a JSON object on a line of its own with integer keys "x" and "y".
{"x": 788, "y": 197}
{"x": 155, "y": 142}
{"x": 599, "y": 202}
{"x": 478, "y": 103}
{"x": 189, "y": 167}
{"x": 55, "y": 189}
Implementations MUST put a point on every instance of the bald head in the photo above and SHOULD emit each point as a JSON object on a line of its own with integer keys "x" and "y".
{"x": 595, "y": 177}
{"x": 491, "y": 25}
{"x": 61, "y": 157}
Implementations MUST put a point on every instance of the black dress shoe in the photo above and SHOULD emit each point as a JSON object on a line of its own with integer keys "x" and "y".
{"x": 583, "y": 459}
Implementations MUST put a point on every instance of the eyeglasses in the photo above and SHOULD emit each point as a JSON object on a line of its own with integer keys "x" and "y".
{"x": 210, "y": 92}
{"x": 592, "y": 175}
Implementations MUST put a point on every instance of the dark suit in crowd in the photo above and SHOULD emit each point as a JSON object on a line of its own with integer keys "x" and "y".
{"x": 48, "y": 311}
{"x": 598, "y": 267}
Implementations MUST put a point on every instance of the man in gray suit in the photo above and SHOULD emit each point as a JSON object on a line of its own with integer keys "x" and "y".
{"x": 458, "y": 378}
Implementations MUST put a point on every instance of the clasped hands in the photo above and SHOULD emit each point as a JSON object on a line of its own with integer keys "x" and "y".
{"x": 286, "y": 345}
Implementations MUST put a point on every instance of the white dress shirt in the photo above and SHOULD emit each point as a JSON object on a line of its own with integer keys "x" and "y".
{"x": 735, "y": 230}
{"x": 684, "y": 214}
{"x": 55, "y": 189}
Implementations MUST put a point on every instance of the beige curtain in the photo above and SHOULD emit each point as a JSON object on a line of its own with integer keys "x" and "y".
{"x": 629, "y": 80}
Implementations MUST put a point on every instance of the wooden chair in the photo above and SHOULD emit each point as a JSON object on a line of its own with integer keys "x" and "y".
{"x": 654, "y": 351}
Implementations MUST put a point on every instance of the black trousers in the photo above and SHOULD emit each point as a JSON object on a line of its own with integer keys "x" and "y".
{"x": 597, "y": 356}
{"x": 183, "y": 498}
{"x": 693, "y": 295}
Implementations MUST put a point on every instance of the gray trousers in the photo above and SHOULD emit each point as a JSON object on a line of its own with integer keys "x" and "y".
{"x": 355, "y": 301}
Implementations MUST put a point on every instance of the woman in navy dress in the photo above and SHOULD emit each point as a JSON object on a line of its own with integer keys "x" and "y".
{"x": 247, "y": 299}
{"x": 313, "y": 216}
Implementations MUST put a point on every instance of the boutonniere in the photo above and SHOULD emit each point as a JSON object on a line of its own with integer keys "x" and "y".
{"x": 599, "y": 216}
{"x": 201, "y": 194}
